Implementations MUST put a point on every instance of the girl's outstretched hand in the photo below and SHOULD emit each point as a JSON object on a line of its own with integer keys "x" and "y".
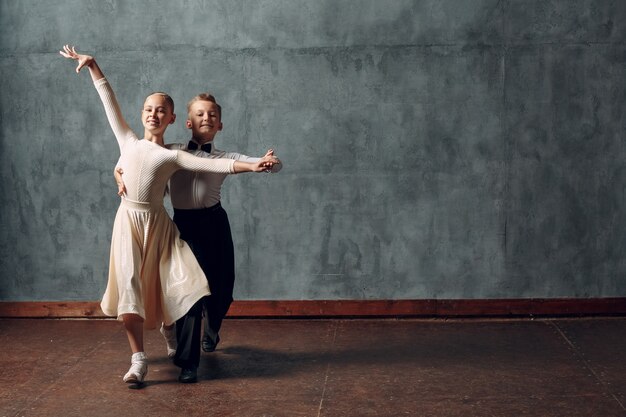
{"x": 275, "y": 165}
{"x": 266, "y": 163}
{"x": 83, "y": 60}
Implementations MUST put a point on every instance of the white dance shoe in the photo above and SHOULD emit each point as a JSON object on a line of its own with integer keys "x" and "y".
{"x": 170, "y": 340}
{"x": 138, "y": 368}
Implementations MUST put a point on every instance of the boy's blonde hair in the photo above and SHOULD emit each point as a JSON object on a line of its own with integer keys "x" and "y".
{"x": 205, "y": 97}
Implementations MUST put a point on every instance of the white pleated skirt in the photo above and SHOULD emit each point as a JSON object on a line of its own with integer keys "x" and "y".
{"x": 152, "y": 272}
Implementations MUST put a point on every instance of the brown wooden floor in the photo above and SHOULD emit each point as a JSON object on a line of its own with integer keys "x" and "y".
{"x": 565, "y": 367}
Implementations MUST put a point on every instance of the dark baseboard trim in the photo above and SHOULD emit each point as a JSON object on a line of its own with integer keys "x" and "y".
{"x": 354, "y": 308}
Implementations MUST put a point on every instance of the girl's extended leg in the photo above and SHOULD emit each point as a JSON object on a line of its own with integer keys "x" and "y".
{"x": 133, "y": 324}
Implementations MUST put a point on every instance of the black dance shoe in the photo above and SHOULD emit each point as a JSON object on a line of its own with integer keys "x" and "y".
{"x": 208, "y": 345}
{"x": 188, "y": 375}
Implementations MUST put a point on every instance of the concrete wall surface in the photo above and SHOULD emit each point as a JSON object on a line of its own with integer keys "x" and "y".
{"x": 432, "y": 148}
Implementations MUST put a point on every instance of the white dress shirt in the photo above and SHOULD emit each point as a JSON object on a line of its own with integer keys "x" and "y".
{"x": 196, "y": 190}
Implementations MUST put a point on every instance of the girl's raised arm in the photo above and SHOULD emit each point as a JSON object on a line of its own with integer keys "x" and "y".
{"x": 83, "y": 61}
{"x": 119, "y": 126}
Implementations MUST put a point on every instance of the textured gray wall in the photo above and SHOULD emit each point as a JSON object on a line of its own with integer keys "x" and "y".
{"x": 433, "y": 148}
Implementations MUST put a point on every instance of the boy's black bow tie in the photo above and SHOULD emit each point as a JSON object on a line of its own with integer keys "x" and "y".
{"x": 192, "y": 146}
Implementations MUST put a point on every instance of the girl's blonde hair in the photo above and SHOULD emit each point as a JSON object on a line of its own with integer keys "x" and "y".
{"x": 166, "y": 96}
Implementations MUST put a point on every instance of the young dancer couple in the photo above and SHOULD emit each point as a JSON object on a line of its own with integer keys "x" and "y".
{"x": 161, "y": 273}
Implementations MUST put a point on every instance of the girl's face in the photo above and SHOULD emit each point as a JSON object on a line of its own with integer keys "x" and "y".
{"x": 157, "y": 114}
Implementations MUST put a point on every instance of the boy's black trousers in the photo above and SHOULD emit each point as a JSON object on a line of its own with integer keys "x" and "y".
{"x": 207, "y": 231}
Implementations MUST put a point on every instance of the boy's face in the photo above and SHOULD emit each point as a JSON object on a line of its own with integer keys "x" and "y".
{"x": 156, "y": 114}
{"x": 204, "y": 119}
